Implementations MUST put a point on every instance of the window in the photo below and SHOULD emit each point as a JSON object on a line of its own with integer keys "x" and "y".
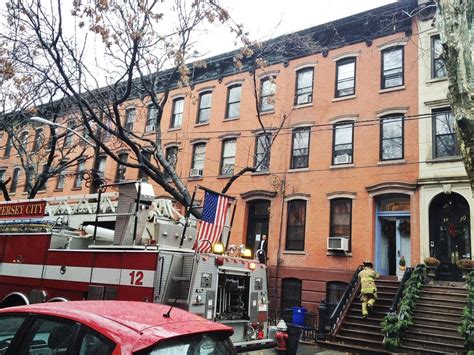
{"x": 38, "y": 139}
{"x": 177, "y": 116}
{"x": 342, "y": 143}
{"x": 391, "y": 132}
{"x": 24, "y": 140}
{"x": 444, "y": 142}
{"x": 304, "y": 86}
{"x": 199, "y": 154}
{"x": 9, "y": 325}
{"x": 262, "y": 152}
{"x": 171, "y": 156}
{"x": 228, "y": 156}
{"x": 295, "y": 226}
{"x": 95, "y": 343}
{"x": 300, "y": 148}
{"x": 2, "y": 174}
{"x": 130, "y": 116}
{"x": 99, "y": 171}
{"x": 204, "y": 111}
{"x": 8, "y": 146}
{"x": 30, "y": 173}
{"x": 69, "y": 135}
{"x": 15, "y": 178}
{"x": 334, "y": 292}
{"x": 146, "y": 156}
{"x": 290, "y": 297}
{"x": 341, "y": 218}
{"x": 151, "y": 118}
{"x": 345, "y": 77}
{"x": 120, "y": 174}
{"x": 392, "y": 67}
{"x": 233, "y": 101}
{"x": 81, "y": 165}
{"x": 61, "y": 180}
{"x": 267, "y": 94}
{"x": 438, "y": 69}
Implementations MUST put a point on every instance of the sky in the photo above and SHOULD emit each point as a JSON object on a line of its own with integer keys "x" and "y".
{"x": 265, "y": 19}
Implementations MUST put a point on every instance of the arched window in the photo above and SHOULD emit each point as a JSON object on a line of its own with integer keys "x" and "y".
{"x": 295, "y": 226}
{"x": 290, "y": 296}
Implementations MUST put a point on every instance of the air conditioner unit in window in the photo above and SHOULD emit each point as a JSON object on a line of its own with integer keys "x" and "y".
{"x": 342, "y": 159}
{"x": 338, "y": 243}
{"x": 150, "y": 128}
{"x": 195, "y": 172}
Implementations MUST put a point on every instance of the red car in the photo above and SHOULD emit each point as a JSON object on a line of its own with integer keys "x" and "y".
{"x": 109, "y": 327}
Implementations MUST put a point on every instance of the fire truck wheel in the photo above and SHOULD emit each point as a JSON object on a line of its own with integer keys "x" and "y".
{"x": 14, "y": 299}
{"x": 57, "y": 299}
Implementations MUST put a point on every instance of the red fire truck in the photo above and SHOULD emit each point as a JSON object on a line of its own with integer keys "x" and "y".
{"x": 126, "y": 245}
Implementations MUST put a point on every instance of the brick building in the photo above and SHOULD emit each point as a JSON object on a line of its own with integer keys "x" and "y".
{"x": 340, "y": 183}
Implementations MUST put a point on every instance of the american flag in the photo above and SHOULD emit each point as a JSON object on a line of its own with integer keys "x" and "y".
{"x": 213, "y": 219}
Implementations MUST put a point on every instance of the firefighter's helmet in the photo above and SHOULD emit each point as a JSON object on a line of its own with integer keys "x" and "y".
{"x": 368, "y": 263}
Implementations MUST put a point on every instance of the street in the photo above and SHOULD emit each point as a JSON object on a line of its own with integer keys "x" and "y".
{"x": 303, "y": 349}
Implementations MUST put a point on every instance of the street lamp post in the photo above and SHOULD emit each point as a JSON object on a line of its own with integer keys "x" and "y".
{"x": 56, "y": 125}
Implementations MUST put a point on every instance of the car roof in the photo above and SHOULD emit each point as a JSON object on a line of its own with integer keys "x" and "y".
{"x": 140, "y": 324}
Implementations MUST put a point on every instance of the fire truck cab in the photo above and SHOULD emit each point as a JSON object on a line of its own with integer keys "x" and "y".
{"x": 126, "y": 246}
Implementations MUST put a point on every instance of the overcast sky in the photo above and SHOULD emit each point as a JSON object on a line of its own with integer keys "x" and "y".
{"x": 265, "y": 19}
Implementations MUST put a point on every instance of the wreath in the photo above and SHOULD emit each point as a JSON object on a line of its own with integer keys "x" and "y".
{"x": 455, "y": 230}
{"x": 404, "y": 228}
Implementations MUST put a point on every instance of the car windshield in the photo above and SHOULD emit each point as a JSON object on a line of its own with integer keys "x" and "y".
{"x": 198, "y": 344}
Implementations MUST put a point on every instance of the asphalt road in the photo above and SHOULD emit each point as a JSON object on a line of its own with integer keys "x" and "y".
{"x": 303, "y": 349}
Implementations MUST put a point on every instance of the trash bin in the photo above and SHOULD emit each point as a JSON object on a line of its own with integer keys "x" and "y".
{"x": 294, "y": 334}
{"x": 299, "y": 314}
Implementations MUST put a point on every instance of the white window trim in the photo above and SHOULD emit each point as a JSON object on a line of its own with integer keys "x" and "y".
{"x": 352, "y": 54}
{"x": 302, "y": 125}
{"x": 391, "y": 111}
{"x": 206, "y": 88}
{"x": 234, "y": 82}
{"x": 341, "y": 194}
{"x": 305, "y": 65}
{"x": 297, "y": 197}
{"x": 268, "y": 74}
{"x": 352, "y": 118}
{"x": 393, "y": 43}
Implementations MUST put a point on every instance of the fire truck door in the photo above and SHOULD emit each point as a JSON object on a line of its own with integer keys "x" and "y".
{"x": 253, "y": 309}
{"x": 210, "y": 304}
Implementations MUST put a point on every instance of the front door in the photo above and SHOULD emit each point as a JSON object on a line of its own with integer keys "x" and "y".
{"x": 450, "y": 235}
{"x": 258, "y": 218}
{"x": 394, "y": 244}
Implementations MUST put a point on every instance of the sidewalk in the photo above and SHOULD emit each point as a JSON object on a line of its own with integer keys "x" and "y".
{"x": 303, "y": 349}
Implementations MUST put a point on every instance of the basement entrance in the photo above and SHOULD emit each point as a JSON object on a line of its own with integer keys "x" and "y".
{"x": 392, "y": 240}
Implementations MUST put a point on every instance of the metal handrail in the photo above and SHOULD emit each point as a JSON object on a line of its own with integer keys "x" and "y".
{"x": 345, "y": 297}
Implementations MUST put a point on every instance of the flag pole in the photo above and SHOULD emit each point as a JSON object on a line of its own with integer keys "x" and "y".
{"x": 188, "y": 212}
{"x": 230, "y": 225}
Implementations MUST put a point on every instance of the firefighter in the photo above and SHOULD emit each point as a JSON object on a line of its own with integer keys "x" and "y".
{"x": 368, "y": 289}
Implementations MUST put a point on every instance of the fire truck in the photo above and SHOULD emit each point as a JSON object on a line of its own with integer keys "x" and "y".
{"x": 127, "y": 245}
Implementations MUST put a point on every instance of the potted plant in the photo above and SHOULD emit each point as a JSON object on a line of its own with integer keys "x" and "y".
{"x": 432, "y": 264}
{"x": 466, "y": 266}
{"x": 401, "y": 267}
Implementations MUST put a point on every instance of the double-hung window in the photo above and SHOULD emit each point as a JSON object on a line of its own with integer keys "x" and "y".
{"x": 304, "y": 86}
{"x": 38, "y": 139}
{"x": 68, "y": 139}
{"x": 23, "y": 141}
{"x": 300, "y": 148}
{"x": 146, "y": 156}
{"x": 392, "y": 67}
{"x": 228, "y": 156}
{"x": 204, "y": 112}
{"x": 177, "y": 115}
{"x": 391, "y": 137}
{"x": 341, "y": 218}
{"x": 262, "y": 152}
{"x": 444, "y": 140}
{"x": 8, "y": 146}
{"x": 61, "y": 180}
{"x": 233, "y": 101}
{"x": 171, "y": 156}
{"x": 199, "y": 156}
{"x": 267, "y": 94}
{"x": 295, "y": 225}
{"x": 151, "y": 118}
{"x": 81, "y": 166}
{"x": 121, "y": 168}
{"x": 130, "y": 116}
{"x": 2, "y": 174}
{"x": 343, "y": 149}
{"x": 438, "y": 68}
{"x": 15, "y": 178}
{"x": 29, "y": 172}
{"x": 345, "y": 77}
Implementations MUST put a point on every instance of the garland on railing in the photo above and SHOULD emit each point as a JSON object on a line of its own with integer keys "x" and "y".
{"x": 394, "y": 325}
{"x": 466, "y": 328}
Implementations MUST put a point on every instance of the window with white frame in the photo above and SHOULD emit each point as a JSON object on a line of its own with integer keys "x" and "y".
{"x": 391, "y": 137}
{"x": 15, "y": 179}
{"x": 267, "y": 93}
{"x": 177, "y": 115}
{"x": 24, "y": 140}
{"x": 130, "y": 117}
{"x": 61, "y": 179}
{"x": 146, "y": 156}
{"x": 204, "y": 111}
{"x": 262, "y": 152}
{"x": 121, "y": 168}
{"x": 345, "y": 77}
{"x": 150, "y": 118}
{"x": 295, "y": 225}
{"x": 304, "y": 86}
{"x": 444, "y": 135}
{"x": 343, "y": 136}
{"x": 68, "y": 139}
{"x": 228, "y": 156}
{"x": 341, "y": 218}
{"x": 199, "y": 156}
{"x": 38, "y": 142}
{"x": 300, "y": 148}
{"x": 3, "y": 172}
{"x": 81, "y": 165}
{"x": 438, "y": 68}
{"x": 233, "y": 101}
{"x": 392, "y": 67}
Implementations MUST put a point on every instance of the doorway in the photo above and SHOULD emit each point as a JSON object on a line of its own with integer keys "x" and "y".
{"x": 450, "y": 234}
{"x": 258, "y": 219}
{"x": 392, "y": 240}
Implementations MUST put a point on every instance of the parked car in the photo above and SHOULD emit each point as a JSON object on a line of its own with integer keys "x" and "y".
{"x": 109, "y": 327}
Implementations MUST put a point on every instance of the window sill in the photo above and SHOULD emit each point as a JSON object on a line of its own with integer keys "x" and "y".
{"x": 174, "y": 129}
{"x": 58, "y": 190}
{"x": 451, "y": 159}
{"x": 396, "y": 88}
{"x": 201, "y": 124}
{"x": 231, "y": 119}
{"x": 296, "y": 107}
{"x": 341, "y": 166}
{"x": 257, "y": 173}
{"x": 341, "y": 253}
{"x": 436, "y": 80}
{"x": 145, "y": 134}
{"x": 392, "y": 162}
{"x": 298, "y": 170}
{"x": 76, "y": 188}
{"x": 342, "y": 98}
{"x": 294, "y": 252}
{"x": 269, "y": 112}
{"x": 195, "y": 178}
{"x": 224, "y": 176}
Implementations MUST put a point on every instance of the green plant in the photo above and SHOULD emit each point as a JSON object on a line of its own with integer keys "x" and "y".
{"x": 466, "y": 327}
{"x": 402, "y": 261}
{"x": 431, "y": 261}
{"x": 465, "y": 264}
